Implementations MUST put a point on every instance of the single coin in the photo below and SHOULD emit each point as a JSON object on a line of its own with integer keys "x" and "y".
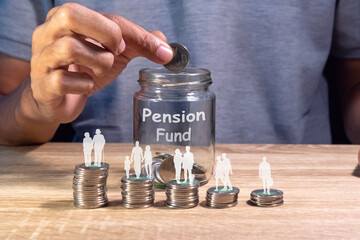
{"x": 82, "y": 166}
{"x": 181, "y": 58}
{"x": 220, "y": 191}
{"x": 262, "y": 194}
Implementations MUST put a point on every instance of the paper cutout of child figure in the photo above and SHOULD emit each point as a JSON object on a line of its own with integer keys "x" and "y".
{"x": 127, "y": 163}
{"x": 148, "y": 161}
{"x": 265, "y": 175}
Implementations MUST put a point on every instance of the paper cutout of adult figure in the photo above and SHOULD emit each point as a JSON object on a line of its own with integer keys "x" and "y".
{"x": 219, "y": 172}
{"x": 136, "y": 157}
{"x": 99, "y": 143}
{"x": 87, "y": 148}
{"x": 227, "y": 170}
{"x": 188, "y": 163}
{"x": 265, "y": 175}
{"x": 127, "y": 166}
{"x": 148, "y": 161}
{"x": 178, "y": 161}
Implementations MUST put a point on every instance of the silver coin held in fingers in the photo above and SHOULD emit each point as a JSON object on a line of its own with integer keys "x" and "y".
{"x": 180, "y": 59}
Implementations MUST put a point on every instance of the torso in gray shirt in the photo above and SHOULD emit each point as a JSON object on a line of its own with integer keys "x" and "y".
{"x": 266, "y": 60}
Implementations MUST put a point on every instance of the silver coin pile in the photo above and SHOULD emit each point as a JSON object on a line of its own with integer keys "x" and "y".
{"x": 261, "y": 199}
{"x": 89, "y": 186}
{"x": 182, "y": 195}
{"x": 221, "y": 198}
{"x": 180, "y": 59}
{"x": 137, "y": 192}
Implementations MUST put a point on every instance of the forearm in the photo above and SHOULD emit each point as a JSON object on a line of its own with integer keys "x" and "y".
{"x": 352, "y": 118}
{"x": 349, "y": 86}
{"x": 21, "y": 121}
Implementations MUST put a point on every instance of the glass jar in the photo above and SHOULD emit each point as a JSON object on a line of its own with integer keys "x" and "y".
{"x": 173, "y": 111}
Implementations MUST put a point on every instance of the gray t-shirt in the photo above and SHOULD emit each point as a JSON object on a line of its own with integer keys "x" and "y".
{"x": 266, "y": 59}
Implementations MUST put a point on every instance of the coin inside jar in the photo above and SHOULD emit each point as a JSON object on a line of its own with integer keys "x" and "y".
{"x": 180, "y": 59}
{"x": 166, "y": 171}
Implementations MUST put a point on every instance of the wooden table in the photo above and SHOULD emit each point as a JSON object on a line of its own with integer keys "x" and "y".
{"x": 321, "y": 187}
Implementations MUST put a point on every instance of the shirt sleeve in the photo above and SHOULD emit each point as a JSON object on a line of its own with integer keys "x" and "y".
{"x": 346, "y": 35}
{"x": 18, "y": 19}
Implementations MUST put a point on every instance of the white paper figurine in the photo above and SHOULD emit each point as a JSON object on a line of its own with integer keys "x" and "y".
{"x": 178, "y": 161}
{"x": 148, "y": 161}
{"x": 87, "y": 148}
{"x": 99, "y": 143}
{"x": 137, "y": 156}
{"x": 188, "y": 163}
{"x": 265, "y": 175}
{"x": 227, "y": 170}
{"x": 127, "y": 166}
{"x": 219, "y": 172}
{"x": 191, "y": 178}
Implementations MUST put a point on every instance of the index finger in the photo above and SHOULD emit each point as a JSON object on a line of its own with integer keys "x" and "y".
{"x": 140, "y": 42}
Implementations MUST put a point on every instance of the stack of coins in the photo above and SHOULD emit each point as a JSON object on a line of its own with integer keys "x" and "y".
{"x": 89, "y": 186}
{"x": 262, "y": 199}
{"x": 137, "y": 192}
{"x": 182, "y": 194}
{"x": 221, "y": 198}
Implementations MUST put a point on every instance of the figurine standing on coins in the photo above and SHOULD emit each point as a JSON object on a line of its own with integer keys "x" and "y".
{"x": 127, "y": 166}
{"x": 87, "y": 148}
{"x": 188, "y": 164}
{"x": 137, "y": 157}
{"x": 227, "y": 196}
{"x": 99, "y": 143}
{"x": 226, "y": 165}
{"x": 265, "y": 175}
{"x": 178, "y": 161}
{"x": 219, "y": 172}
{"x": 148, "y": 161}
{"x": 266, "y": 197}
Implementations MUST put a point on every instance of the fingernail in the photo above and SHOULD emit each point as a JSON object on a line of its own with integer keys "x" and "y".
{"x": 164, "y": 53}
{"x": 121, "y": 47}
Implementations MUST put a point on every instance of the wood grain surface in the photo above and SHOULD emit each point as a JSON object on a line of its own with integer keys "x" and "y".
{"x": 321, "y": 186}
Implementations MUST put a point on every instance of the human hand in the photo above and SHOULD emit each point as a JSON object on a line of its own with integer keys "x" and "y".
{"x": 78, "y": 51}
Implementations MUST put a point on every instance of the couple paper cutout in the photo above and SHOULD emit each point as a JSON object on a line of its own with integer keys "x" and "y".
{"x": 222, "y": 171}
{"x": 97, "y": 143}
{"x": 185, "y": 162}
{"x": 138, "y": 157}
{"x": 265, "y": 175}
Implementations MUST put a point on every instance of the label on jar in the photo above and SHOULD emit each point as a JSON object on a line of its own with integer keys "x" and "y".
{"x": 175, "y": 123}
